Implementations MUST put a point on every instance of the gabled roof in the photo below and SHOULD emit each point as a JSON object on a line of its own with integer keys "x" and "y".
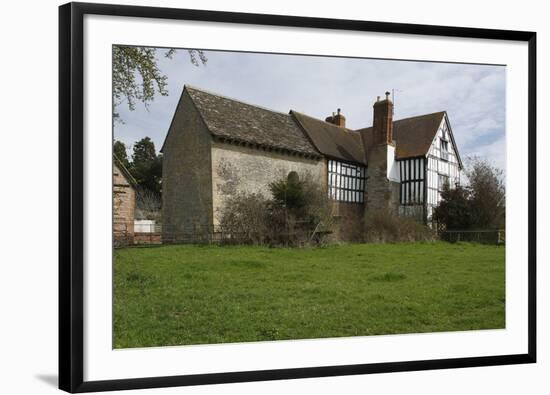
{"x": 125, "y": 172}
{"x": 331, "y": 140}
{"x": 242, "y": 122}
{"x": 413, "y": 136}
{"x": 236, "y": 121}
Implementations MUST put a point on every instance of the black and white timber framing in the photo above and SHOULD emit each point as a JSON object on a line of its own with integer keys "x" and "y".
{"x": 346, "y": 181}
{"x": 443, "y": 166}
{"x": 423, "y": 178}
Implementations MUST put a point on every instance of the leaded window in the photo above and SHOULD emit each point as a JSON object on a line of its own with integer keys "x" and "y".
{"x": 443, "y": 182}
{"x": 444, "y": 149}
{"x": 444, "y": 144}
{"x": 346, "y": 182}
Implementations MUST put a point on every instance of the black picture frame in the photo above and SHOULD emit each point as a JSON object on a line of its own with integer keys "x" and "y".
{"x": 71, "y": 172}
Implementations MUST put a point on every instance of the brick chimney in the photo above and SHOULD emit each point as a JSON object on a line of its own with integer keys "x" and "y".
{"x": 383, "y": 184}
{"x": 382, "y": 123}
{"x": 337, "y": 119}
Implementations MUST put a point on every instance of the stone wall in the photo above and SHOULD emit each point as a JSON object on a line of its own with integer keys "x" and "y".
{"x": 186, "y": 176}
{"x": 245, "y": 169}
{"x": 124, "y": 206}
{"x": 382, "y": 194}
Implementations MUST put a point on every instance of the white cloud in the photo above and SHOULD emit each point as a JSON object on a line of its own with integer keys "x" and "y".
{"x": 472, "y": 95}
{"x": 494, "y": 153}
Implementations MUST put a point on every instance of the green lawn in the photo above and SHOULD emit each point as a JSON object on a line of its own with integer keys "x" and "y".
{"x": 173, "y": 295}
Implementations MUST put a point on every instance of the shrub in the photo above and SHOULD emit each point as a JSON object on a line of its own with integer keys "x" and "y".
{"x": 148, "y": 204}
{"x": 318, "y": 209}
{"x": 479, "y": 205}
{"x": 244, "y": 219}
{"x": 289, "y": 192}
{"x": 454, "y": 211}
{"x": 385, "y": 227}
{"x": 298, "y": 213}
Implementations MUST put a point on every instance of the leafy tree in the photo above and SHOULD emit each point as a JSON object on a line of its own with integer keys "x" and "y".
{"x": 137, "y": 77}
{"x": 455, "y": 209}
{"x": 487, "y": 193}
{"x": 479, "y": 205}
{"x": 146, "y": 165}
{"x": 119, "y": 148}
{"x": 144, "y": 151}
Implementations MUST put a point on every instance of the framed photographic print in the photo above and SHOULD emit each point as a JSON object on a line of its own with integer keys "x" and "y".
{"x": 250, "y": 197}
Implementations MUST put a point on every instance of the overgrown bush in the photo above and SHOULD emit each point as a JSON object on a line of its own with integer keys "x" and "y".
{"x": 319, "y": 210}
{"x": 288, "y": 192}
{"x": 148, "y": 204}
{"x": 480, "y": 204}
{"x": 454, "y": 211}
{"x": 385, "y": 227}
{"x": 245, "y": 219}
{"x": 298, "y": 213}
{"x": 351, "y": 229}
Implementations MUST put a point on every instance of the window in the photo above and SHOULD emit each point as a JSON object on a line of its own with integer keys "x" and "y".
{"x": 412, "y": 181}
{"x": 346, "y": 182}
{"x": 444, "y": 144}
{"x": 444, "y": 149}
{"x": 293, "y": 177}
{"x": 443, "y": 180}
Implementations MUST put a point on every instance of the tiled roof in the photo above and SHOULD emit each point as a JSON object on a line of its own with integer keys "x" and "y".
{"x": 332, "y": 140}
{"x": 234, "y": 120}
{"x": 413, "y": 136}
{"x": 125, "y": 172}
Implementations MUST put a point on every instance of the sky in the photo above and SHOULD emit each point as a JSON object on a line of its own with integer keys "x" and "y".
{"x": 472, "y": 95}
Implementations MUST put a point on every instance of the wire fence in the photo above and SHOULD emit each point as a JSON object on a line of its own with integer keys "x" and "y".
{"x": 136, "y": 233}
{"x": 215, "y": 234}
{"x": 147, "y": 227}
{"x": 154, "y": 233}
{"x": 484, "y": 236}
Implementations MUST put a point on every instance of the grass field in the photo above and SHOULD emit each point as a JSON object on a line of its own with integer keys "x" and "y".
{"x": 174, "y": 295}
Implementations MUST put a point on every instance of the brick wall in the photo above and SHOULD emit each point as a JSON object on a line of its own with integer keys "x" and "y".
{"x": 147, "y": 238}
{"x": 124, "y": 205}
{"x": 382, "y": 121}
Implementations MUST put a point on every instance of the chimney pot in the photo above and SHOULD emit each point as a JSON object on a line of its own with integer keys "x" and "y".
{"x": 387, "y": 95}
{"x": 337, "y": 119}
{"x": 377, "y": 98}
